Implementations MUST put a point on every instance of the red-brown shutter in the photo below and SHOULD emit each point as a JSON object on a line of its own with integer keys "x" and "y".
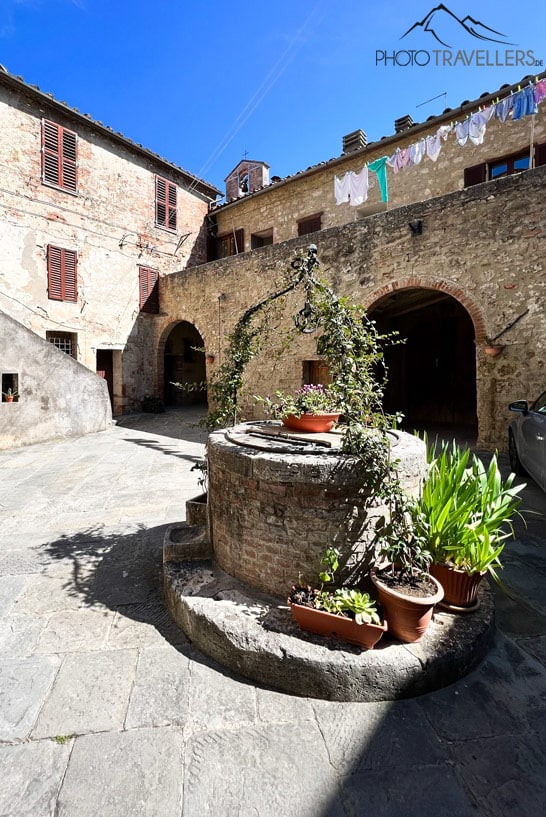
{"x": 59, "y": 156}
{"x": 149, "y": 290}
{"x": 165, "y": 203}
{"x": 475, "y": 175}
{"x": 62, "y": 274}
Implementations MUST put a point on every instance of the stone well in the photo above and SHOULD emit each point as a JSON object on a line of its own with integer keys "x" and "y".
{"x": 275, "y": 503}
{"x": 277, "y": 500}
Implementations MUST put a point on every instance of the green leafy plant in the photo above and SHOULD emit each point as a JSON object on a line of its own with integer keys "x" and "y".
{"x": 341, "y": 601}
{"x": 310, "y": 399}
{"x": 466, "y": 510}
{"x": 10, "y": 393}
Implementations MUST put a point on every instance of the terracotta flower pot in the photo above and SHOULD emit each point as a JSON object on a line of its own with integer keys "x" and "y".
{"x": 493, "y": 351}
{"x": 328, "y": 624}
{"x": 310, "y": 422}
{"x": 460, "y": 588}
{"x": 408, "y": 616}
{"x": 9, "y": 398}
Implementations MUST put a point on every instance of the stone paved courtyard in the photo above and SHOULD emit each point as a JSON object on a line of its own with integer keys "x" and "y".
{"x": 106, "y": 709}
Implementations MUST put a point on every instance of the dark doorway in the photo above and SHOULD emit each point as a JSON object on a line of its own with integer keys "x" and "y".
{"x": 432, "y": 376}
{"x": 184, "y": 362}
{"x": 105, "y": 369}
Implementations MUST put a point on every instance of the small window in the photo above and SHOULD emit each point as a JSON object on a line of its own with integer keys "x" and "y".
{"x": 59, "y": 156}
{"x": 149, "y": 290}
{"x": 10, "y": 387}
{"x": 261, "y": 239}
{"x": 165, "y": 203}
{"x": 311, "y": 224}
{"x": 62, "y": 282}
{"x": 503, "y": 166}
{"x": 66, "y": 342}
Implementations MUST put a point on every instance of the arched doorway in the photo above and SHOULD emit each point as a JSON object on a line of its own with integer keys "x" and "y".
{"x": 432, "y": 376}
{"x": 184, "y": 362}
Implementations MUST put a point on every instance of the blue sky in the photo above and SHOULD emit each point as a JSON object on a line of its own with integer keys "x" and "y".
{"x": 203, "y": 83}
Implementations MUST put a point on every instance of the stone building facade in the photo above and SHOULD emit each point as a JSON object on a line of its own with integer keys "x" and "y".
{"x": 159, "y": 271}
{"x": 88, "y": 222}
{"x": 475, "y": 271}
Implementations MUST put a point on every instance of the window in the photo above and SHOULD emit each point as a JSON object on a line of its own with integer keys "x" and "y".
{"x": 10, "y": 387}
{"x": 311, "y": 224}
{"x": 66, "y": 342}
{"x": 58, "y": 156}
{"x": 165, "y": 203}
{"x": 504, "y": 166}
{"x": 149, "y": 290}
{"x": 62, "y": 283}
{"x": 230, "y": 244}
{"x": 262, "y": 239}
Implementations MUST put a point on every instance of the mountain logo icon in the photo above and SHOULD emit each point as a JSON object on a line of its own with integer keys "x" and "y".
{"x": 444, "y": 26}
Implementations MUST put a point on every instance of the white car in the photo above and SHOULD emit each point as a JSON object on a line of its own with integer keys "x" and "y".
{"x": 527, "y": 439}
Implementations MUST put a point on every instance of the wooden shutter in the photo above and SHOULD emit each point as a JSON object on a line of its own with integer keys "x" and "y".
{"x": 59, "y": 156}
{"x": 149, "y": 290}
{"x": 540, "y": 154}
{"x": 62, "y": 274}
{"x": 165, "y": 203}
{"x": 475, "y": 175}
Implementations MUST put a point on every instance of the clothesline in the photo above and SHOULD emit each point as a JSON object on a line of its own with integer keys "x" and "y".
{"x": 353, "y": 187}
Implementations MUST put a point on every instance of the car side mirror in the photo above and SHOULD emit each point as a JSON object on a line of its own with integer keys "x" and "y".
{"x": 519, "y": 405}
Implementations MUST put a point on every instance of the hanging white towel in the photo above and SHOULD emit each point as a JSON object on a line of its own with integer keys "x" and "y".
{"x": 342, "y": 188}
{"x": 358, "y": 186}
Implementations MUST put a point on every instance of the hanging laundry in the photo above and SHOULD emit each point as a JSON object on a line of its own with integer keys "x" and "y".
{"x": 400, "y": 159}
{"x": 540, "y": 91}
{"x": 342, "y": 188}
{"x": 503, "y": 107}
{"x": 358, "y": 187}
{"x": 478, "y": 123}
{"x": 417, "y": 151}
{"x": 379, "y": 167}
{"x": 462, "y": 130}
{"x": 434, "y": 143}
{"x": 525, "y": 103}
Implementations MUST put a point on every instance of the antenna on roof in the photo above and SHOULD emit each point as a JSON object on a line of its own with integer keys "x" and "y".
{"x": 432, "y": 100}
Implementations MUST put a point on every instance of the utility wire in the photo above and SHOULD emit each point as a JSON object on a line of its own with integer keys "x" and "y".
{"x": 274, "y": 74}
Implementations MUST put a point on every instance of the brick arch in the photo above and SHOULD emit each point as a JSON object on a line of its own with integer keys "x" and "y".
{"x": 447, "y": 287}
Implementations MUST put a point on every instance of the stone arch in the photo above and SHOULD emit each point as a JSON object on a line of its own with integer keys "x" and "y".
{"x": 433, "y": 377}
{"x": 446, "y": 287}
{"x": 179, "y": 360}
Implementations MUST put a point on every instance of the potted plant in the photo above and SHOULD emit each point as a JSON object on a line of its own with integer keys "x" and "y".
{"x": 405, "y": 588}
{"x": 464, "y": 515}
{"x": 346, "y": 612}
{"x": 10, "y": 395}
{"x": 314, "y": 407}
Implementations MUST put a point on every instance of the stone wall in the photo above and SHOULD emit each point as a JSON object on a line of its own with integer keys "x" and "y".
{"x": 57, "y": 397}
{"x": 485, "y": 246}
{"x": 280, "y": 206}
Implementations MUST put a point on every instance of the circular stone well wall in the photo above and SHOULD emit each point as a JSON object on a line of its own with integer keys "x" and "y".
{"x": 273, "y": 513}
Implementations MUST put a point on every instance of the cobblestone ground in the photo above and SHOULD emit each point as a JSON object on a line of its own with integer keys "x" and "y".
{"x": 106, "y": 709}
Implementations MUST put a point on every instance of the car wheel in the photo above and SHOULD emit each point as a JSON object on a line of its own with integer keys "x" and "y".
{"x": 515, "y": 463}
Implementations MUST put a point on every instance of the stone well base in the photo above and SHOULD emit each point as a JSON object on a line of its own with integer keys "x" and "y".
{"x": 254, "y": 635}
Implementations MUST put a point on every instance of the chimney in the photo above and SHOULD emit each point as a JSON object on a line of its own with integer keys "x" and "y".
{"x": 354, "y": 141}
{"x": 404, "y": 123}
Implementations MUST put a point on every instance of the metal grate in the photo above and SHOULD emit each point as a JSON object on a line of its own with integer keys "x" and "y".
{"x": 63, "y": 341}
